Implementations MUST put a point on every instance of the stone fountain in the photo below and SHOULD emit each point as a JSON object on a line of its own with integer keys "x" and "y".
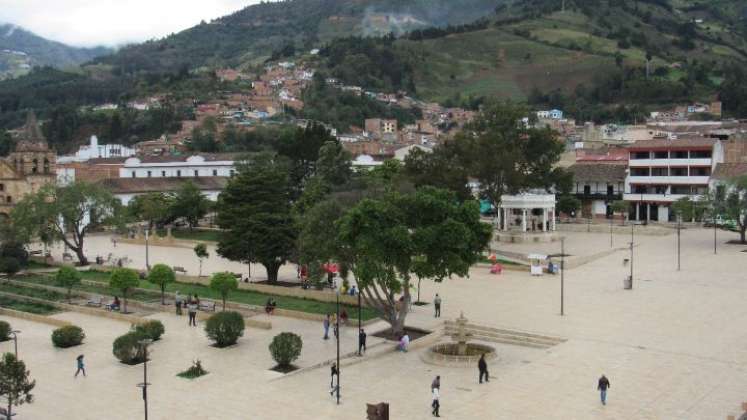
{"x": 460, "y": 352}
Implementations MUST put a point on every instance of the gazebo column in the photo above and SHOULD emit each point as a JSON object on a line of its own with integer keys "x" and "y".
{"x": 544, "y": 220}
{"x": 505, "y": 219}
{"x": 524, "y": 220}
{"x": 553, "y": 220}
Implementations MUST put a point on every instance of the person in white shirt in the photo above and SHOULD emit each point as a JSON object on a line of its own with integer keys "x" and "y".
{"x": 435, "y": 404}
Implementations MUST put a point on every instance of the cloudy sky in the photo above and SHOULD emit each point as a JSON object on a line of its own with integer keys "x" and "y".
{"x": 112, "y": 22}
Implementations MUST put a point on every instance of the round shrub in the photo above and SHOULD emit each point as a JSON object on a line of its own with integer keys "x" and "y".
{"x": 225, "y": 328}
{"x": 285, "y": 348}
{"x": 127, "y": 348}
{"x": 67, "y": 336}
{"x": 4, "y": 331}
{"x": 152, "y": 329}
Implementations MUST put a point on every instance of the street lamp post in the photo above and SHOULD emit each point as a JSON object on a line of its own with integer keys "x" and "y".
{"x": 562, "y": 275}
{"x": 15, "y": 341}
{"x": 337, "y": 326}
{"x": 632, "y": 241}
{"x": 679, "y": 228}
{"x": 359, "y": 318}
{"x": 612, "y": 219}
{"x": 147, "y": 260}
{"x": 144, "y": 385}
{"x": 714, "y": 233}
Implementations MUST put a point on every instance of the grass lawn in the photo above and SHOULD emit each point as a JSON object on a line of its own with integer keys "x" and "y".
{"x": 32, "y": 265}
{"x": 34, "y": 308}
{"x": 32, "y": 292}
{"x": 204, "y": 292}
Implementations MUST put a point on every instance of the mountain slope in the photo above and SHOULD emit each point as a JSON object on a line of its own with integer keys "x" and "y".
{"x": 20, "y": 50}
{"x": 254, "y": 33}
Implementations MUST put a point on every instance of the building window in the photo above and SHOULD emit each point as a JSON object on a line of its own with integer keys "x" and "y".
{"x": 133, "y": 174}
{"x": 35, "y": 167}
{"x": 700, "y": 154}
{"x": 659, "y": 172}
{"x": 661, "y": 155}
{"x": 678, "y": 171}
{"x": 660, "y": 189}
{"x": 640, "y": 155}
{"x": 2, "y": 187}
{"x": 639, "y": 172}
{"x": 640, "y": 189}
{"x": 163, "y": 174}
{"x": 679, "y": 154}
{"x": 197, "y": 173}
{"x": 149, "y": 174}
{"x": 8, "y": 199}
{"x": 610, "y": 189}
{"x": 179, "y": 173}
{"x": 46, "y": 165}
{"x": 215, "y": 172}
{"x": 587, "y": 189}
{"x": 700, "y": 171}
{"x": 682, "y": 189}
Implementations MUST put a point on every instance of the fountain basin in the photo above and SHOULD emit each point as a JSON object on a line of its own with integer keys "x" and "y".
{"x": 446, "y": 354}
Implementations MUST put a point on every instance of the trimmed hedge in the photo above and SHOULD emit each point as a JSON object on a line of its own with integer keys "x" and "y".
{"x": 4, "y": 331}
{"x": 285, "y": 348}
{"x": 225, "y": 328}
{"x": 127, "y": 348}
{"x": 152, "y": 329}
{"x": 67, "y": 336}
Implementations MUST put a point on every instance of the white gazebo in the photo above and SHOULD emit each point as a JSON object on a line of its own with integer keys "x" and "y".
{"x": 521, "y": 207}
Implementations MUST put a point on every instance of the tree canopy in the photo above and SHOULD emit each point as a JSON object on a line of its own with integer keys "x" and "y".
{"x": 254, "y": 212}
{"x": 124, "y": 280}
{"x": 224, "y": 283}
{"x": 161, "y": 275}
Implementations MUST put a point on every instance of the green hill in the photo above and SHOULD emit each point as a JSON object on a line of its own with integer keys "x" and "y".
{"x": 20, "y": 50}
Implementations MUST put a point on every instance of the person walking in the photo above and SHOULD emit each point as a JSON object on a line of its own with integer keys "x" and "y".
{"x": 437, "y": 305}
{"x": 192, "y": 311}
{"x": 81, "y": 367}
{"x": 482, "y": 365}
{"x": 335, "y": 324}
{"x": 435, "y": 405}
{"x": 332, "y": 374}
{"x": 178, "y": 303}
{"x": 602, "y": 387}
{"x": 326, "y": 323}
{"x": 361, "y": 342}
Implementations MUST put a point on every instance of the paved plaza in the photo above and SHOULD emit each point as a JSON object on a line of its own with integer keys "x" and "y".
{"x": 674, "y": 347}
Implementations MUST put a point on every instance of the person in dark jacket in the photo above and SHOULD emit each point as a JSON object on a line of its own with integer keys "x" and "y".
{"x": 332, "y": 373}
{"x": 482, "y": 365}
{"x": 361, "y": 342}
{"x": 602, "y": 387}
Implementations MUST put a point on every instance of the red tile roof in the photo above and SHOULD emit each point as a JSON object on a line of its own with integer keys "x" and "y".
{"x": 680, "y": 143}
{"x": 148, "y": 185}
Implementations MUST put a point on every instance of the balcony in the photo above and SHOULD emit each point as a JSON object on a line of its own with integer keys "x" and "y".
{"x": 676, "y": 180}
{"x": 638, "y": 163}
{"x": 666, "y": 198}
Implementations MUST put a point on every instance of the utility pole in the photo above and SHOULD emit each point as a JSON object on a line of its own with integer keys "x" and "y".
{"x": 359, "y": 318}
{"x": 679, "y": 228}
{"x": 562, "y": 275}
{"x": 612, "y": 219}
{"x": 144, "y": 343}
{"x": 337, "y": 322}
{"x": 632, "y": 241}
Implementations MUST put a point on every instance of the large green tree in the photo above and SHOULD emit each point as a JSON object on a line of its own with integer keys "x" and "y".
{"x": 190, "y": 204}
{"x": 254, "y": 212}
{"x": 124, "y": 280}
{"x": 506, "y": 155}
{"x": 389, "y": 240}
{"x": 68, "y": 277}
{"x": 734, "y": 204}
{"x": 162, "y": 275}
{"x": 445, "y": 167}
{"x": 224, "y": 283}
{"x": 153, "y": 208}
{"x": 68, "y": 213}
{"x": 15, "y": 383}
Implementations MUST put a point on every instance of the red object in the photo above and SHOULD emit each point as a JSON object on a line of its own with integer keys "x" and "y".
{"x": 496, "y": 269}
{"x": 492, "y": 257}
{"x": 330, "y": 267}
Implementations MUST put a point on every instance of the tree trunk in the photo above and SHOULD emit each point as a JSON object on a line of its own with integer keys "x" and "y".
{"x": 199, "y": 274}
{"x": 224, "y": 303}
{"x": 742, "y": 235}
{"x": 10, "y": 406}
{"x": 272, "y": 272}
{"x": 81, "y": 256}
{"x": 124, "y": 302}
{"x": 163, "y": 294}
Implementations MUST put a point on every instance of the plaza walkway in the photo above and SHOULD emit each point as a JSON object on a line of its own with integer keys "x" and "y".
{"x": 674, "y": 347}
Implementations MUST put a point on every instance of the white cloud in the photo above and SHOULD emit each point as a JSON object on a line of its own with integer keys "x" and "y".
{"x": 112, "y": 22}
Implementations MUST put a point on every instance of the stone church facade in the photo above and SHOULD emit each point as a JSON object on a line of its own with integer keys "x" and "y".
{"x": 30, "y": 166}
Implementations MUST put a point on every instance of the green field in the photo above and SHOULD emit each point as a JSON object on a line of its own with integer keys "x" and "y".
{"x": 152, "y": 294}
{"x": 34, "y": 308}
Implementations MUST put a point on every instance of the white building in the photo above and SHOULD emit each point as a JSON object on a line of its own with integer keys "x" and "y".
{"x": 402, "y": 153}
{"x": 661, "y": 172}
{"x": 194, "y": 166}
{"x": 96, "y": 151}
{"x": 125, "y": 189}
{"x": 553, "y": 114}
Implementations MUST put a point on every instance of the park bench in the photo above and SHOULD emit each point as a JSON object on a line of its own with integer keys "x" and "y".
{"x": 207, "y": 305}
{"x": 178, "y": 269}
{"x": 95, "y": 301}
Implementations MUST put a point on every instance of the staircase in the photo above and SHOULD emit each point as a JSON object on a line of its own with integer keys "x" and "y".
{"x": 503, "y": 336}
